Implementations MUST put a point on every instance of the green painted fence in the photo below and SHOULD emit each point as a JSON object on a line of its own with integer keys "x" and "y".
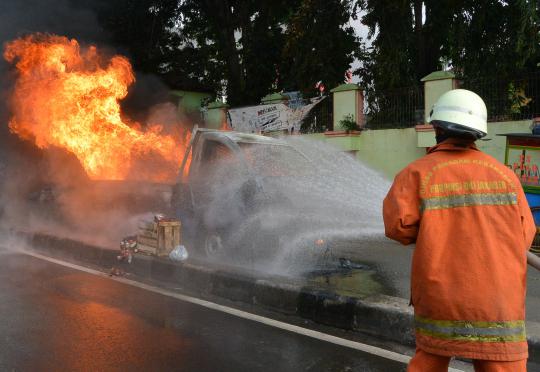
{"x": 390, "y": 150}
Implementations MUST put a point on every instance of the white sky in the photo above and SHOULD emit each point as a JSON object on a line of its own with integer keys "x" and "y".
{"x": 361, "y": 31}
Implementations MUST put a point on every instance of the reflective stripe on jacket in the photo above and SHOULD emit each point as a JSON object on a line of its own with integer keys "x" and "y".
{"x": 471, "y": 223}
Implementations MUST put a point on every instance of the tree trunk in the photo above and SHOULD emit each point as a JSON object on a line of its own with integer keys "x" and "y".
{"x": 421, "y": 65}
{"x": 225, "y": 27}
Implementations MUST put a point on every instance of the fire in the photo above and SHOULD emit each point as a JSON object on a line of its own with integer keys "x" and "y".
{"x": 68, "y": 96}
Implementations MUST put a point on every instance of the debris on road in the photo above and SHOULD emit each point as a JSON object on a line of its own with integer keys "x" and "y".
{"x": 179, "y": 253}
{"x": 345, "y": 263}
{"x": 116, "y": 271}
{"x": 128, "y": 246}
{"x": 158, "y": 237}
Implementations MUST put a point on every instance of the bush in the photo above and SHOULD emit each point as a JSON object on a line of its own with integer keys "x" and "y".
{"x": 348, "y": 123}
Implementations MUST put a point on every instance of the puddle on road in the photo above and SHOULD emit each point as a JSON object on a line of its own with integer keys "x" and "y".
{"x": 359, "y": 283}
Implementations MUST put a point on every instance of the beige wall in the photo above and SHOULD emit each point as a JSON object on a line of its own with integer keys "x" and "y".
{"x": 433, "y": 90}
{"x": 390, "y": 150}
{"x": 344, "y": 104}
{"x": 496, "y": 144}
{"x": 216, "y": 118}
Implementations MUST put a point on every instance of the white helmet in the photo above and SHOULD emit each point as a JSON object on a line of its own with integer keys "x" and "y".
{"x": 460, "y": 112}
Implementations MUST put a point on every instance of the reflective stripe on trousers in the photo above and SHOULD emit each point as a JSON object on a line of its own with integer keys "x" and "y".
{"x": 461, "y": 330}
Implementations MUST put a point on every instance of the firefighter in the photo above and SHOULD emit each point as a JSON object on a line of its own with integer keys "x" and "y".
{"x": 468, "y": 216}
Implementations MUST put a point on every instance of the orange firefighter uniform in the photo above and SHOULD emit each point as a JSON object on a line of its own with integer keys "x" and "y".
{"x": 471, "y": 223}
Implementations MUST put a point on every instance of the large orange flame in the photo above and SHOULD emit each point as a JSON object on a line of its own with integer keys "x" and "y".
{"x": 68, "y": 96}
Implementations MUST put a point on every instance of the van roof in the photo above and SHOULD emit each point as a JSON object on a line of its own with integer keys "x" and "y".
{"x": 242, "y": 137}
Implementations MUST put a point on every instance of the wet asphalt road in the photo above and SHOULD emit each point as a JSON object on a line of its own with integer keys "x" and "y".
{"x": 393, "y": 263}
{"x": 57, "y": 318}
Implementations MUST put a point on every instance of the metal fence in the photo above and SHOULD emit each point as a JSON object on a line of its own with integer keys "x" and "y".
{"x": 506, "y": 99}
{"x": 516, "y": 98}
{"x": 398, "y": 108}
{"x": 511, "y": 98}
{"x": 319, "y": 118}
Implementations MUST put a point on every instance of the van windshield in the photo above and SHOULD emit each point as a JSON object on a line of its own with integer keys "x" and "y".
{"x": 275, "y": 160}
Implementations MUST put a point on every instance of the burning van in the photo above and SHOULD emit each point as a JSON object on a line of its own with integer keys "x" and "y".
{"x": 231, "y": 197}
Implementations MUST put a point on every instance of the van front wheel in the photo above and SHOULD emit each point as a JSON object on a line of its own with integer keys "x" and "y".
{"x": 213, "y": 245}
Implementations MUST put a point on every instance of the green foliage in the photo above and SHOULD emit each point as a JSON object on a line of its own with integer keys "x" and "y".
{"x": 518, "y": 99}
{"x": 390, "y": 61}
{"x": 412, "y": 38}
{"x": 249, "y": 48}
{"x": 319, "y": 45}
{"x": 242, "y": 38}
{"x": 267, "y": 46}
{"x": 475, "y": 38}
{"x": 242, "y": 48}
{"x": 491, "y": 37}
{"x": 348, "y": 123}
{"x": 387, "y": 63}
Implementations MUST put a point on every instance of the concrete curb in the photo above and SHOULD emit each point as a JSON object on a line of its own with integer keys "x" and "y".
{"x": 382, "y": 316}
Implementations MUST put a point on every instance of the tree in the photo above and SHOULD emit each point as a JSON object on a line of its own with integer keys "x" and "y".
{"x": 143, "y": 29}
{"x": 408, "y": 38}
{"x": 432, "y": 21}
{"x": 319, "y": 44}
{"x": 271, "y": 45}
{"x": 147, "y": 32}
{"x": 413, "y": 38}
{"x": 476, "y": 38}
{"x": 493, "y": 38}
{"x": 244, "y": 38}
{"x": 262, "y": 45}
{"x": 242, "y": 48}
{"x": 387, "y": 63}
{"x": 490, "y": 39}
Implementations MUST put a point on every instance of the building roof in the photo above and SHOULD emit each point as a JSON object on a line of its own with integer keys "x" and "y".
{"x": 439, "y": 75}
{"x": 346, "y": 87}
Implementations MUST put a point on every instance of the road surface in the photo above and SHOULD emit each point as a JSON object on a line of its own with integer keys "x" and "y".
{"x": 58, "y": 318}
{"x": 393, "y": 263}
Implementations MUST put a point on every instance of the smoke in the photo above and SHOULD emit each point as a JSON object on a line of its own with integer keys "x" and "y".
{"x": 48, "y": 189}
